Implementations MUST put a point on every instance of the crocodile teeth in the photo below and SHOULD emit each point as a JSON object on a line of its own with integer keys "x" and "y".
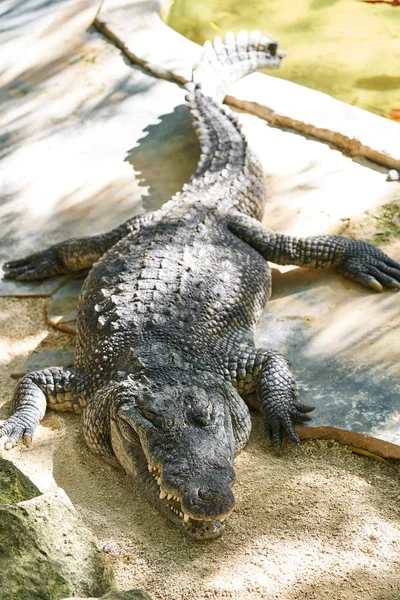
{"x": 169, "y": 496}
{"x": 162, "y": 494}
{"x": 185, "y": 518}
{"x": 159, "y": 480}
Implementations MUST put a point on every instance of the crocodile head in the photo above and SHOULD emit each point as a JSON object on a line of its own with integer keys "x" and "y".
{"x": 175, "y": 436}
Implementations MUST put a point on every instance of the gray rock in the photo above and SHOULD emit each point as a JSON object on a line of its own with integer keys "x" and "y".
{"x": 136, "y": 28}
{"x": 14, "y": 485}
{"x": 42, "y": 360}
{"x": 46, "y": 552}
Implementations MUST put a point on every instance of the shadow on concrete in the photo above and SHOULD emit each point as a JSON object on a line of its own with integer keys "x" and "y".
{"x": 166, "y": 157}
{"x": 22, "y": 13}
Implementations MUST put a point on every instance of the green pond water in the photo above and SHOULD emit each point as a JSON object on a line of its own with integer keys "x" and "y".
{"x": 349, "y": 49}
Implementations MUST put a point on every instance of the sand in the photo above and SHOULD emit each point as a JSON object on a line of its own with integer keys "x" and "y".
{"x": 317, "y": 522}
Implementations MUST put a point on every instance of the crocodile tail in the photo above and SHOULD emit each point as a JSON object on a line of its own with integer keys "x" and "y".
{"x": 223, "y": 145}
{"x": 224, "y": 62}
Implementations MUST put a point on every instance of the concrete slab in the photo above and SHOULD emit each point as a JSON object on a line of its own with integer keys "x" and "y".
{"x": 343, "y": 343}
{"x": 136, "y": 27}
{"x": 38, "y": 36}
{"x": 313, "y": 188}
{"x": 286, "y": 104}
{"x": 42, "y": 360}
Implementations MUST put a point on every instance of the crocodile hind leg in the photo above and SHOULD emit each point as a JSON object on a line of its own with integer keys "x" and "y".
{"x": 56, "y": 387}
{"x": 268, "y": 374}
{"x": 71, "y": 255}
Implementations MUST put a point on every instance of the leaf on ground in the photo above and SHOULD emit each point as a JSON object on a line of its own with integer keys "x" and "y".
{"x": 368, "y": 454}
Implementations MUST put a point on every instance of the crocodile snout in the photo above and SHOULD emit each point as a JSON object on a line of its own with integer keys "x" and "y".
{"x": 205, "y": 500}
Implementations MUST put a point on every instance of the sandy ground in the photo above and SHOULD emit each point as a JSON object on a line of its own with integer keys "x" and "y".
{"x": 318, "y": 522}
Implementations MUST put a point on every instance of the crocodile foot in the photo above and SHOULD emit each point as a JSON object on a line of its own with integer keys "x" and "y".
{"x": 369, "y": 266}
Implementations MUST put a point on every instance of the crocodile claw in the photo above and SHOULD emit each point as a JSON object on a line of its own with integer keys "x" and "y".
{"x": 369, "y": 266}
{"x": 13, "y": 430}
{"x": 39, "y": 265}
{"x": 282, "y": 422}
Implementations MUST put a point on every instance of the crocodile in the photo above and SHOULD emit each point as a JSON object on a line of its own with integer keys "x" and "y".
{"x": 165, "y": 356}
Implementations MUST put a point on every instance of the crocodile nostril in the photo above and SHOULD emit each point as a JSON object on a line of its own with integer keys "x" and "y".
{"x": 202, "y": 414}
{"x": 208, "y": 494}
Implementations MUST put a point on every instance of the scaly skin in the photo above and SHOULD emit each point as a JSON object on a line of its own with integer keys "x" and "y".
{"x": 165, "y": 349}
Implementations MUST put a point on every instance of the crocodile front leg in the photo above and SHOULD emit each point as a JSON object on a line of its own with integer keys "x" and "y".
{"x": 355, "y": 259}
{"x": 71, "y": 255}
{"x": 269, "y": 374}
{"x": 57, "y": 387}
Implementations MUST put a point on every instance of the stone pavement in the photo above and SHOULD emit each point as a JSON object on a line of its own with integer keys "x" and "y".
{"x": 90, "y": 140}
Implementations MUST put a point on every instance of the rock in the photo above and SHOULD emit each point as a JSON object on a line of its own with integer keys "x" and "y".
{"x": 14, "y": 485}
{"x": 393, "y": 175}
{"x": 46, "y": 552}
{"x": 42, "y": 360}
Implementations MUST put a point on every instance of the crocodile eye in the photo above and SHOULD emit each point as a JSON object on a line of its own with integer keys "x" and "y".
{"x": 156, "y": 420}
{"x": 164, "y": 423}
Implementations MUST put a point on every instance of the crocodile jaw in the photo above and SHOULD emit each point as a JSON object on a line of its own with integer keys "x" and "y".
{"x": 129, "y": 452}
{"x": 172, "y": 506}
